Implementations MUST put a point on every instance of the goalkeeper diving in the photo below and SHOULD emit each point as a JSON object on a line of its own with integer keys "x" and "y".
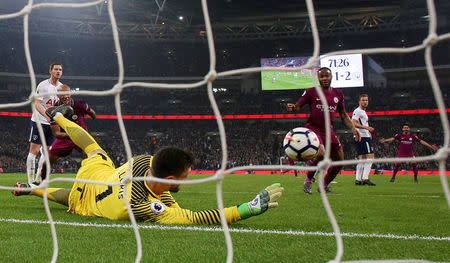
{"x": 150, "y": 201}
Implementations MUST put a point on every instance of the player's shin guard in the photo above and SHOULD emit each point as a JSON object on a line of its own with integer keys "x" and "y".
{"x": 331, "y": 174}
{"x": 38, "y": 178}
{"x": 58, "y": 195}
{"x": 415, "y": 170}
{"x": 397, "y": 166}
{"x": 359, "y": 170}
{"x": 310, "y": 174}
{"x": 43, "y": 174}
{"x": 366, "y": 170}
{"x": 31, "y": 165}
{"x": 78, "y": 135}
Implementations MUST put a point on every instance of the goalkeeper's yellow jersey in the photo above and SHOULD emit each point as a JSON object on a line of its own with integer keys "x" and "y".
{"x": 108, "y": 201}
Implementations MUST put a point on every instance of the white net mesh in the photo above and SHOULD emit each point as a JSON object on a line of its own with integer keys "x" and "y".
{"x": 441, "y": 155}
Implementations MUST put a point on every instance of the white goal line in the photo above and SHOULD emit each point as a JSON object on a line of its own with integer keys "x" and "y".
{"x": 235, "y": 230}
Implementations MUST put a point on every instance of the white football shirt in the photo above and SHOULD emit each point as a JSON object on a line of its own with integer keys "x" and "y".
{"x": 47, "y": 100}
{"x": 361, "y": 116}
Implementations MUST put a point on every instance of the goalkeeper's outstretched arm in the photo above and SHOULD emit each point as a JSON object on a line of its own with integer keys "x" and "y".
{"x": 160, "y": 213}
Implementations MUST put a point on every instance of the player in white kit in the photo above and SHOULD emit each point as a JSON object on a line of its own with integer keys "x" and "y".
{"x": 364, "y": 148}
{"x": 42, "y": 103}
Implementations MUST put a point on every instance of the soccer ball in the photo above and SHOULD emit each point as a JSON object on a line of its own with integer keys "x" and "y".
{"x": 301, "y": 144}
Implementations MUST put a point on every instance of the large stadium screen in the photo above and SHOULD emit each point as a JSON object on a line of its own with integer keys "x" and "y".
{"x": 347, "y": 70}
{"x": 287, "y": 80}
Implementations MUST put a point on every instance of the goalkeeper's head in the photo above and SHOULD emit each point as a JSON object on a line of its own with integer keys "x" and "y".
{"x": 172, "y": 163}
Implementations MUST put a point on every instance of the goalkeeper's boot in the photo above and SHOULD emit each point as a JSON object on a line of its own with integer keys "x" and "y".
{"x": 416, "y": 180}
{"x": 21, "y": 185}
{"x": 307, "y": 188}
{"x": 392, "y": 180}
{"x": 65, "y": 110}
{"x": 368, "y": 182}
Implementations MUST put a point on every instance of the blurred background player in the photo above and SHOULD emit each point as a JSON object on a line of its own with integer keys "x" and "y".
{"x": 316, "y": 123}
{"x": 63, "y": 146}
{"x": 150, "y": 201}
{"x": 42, "y": 103}
{"x": 364, "y": 148}
{"x": 405, "y": 148}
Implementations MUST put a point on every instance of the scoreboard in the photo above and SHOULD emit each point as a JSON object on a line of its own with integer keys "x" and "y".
{"x": 347, "y": 70}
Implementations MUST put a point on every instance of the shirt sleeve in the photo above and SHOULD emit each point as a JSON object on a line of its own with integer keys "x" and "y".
{"x": 305, "y": 98}
{"x": 86, "y": 107}
{"x": 157, "y": 211}
{"x": 355, "y": 115}
{"x": 416, "y": 138}
{"x": 39, "y": 90}
{"x": 397, "y": 136}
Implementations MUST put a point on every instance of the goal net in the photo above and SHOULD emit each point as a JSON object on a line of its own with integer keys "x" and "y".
{"x": 431, "y": 40}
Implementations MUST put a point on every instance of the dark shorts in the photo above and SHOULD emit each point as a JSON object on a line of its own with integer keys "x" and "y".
{"x": 335, "y": 144}
{"x": 62, "y": 148}
{"x": 365, "y": 146}
{"x": 34, "y": 134}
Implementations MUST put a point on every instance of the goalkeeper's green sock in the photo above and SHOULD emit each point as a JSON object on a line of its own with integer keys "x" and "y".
{"x": 58, "y": 195}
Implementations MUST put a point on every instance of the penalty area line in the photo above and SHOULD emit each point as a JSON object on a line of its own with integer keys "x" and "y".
{"x": 233, "y": 230}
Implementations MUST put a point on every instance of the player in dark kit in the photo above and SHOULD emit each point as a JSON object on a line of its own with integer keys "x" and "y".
{"x": 405, "y": 149}
{"x": 316, "y": 123}
{"x": 63, "y": 146}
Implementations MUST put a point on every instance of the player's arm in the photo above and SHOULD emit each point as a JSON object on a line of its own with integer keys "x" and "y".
{"x": 168, "y": 200}
{"x": 383, "y": 140}
{"x": 432, "y": 147}
{"x": 360, "y": 126}
{"x": 159, "y": 212}
{"x": 56, "y": 130}
{"x": 293, "y": 107}
{"x": 300, "y": 103}
{"x": 40, "y": 109}
{"x": 92, "y": 114}
{"x": 346, "y": 120}
{"x": 38, "y": 101}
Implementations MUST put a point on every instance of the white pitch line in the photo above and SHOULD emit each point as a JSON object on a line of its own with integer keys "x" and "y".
{"x": 363, "y": 195}
{"x": 235, "y": 230}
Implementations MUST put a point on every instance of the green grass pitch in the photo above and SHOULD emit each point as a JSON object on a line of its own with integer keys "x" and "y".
{"x": 410, "y": 212}
{"x": 286, "y": 80}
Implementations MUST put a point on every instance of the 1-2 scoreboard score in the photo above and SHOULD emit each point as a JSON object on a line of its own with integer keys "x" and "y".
{"x": 347, "y": 70}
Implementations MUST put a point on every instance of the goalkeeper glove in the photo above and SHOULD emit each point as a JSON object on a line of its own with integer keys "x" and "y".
{"x": 265, "y": 200}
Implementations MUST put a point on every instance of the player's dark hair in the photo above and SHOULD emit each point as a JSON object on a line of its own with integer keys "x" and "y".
{"x": 324, "y": 68}
{"x": 171, "y": 161}
{"x": 54, "y": 64}
{"x": 406, "y": 124}
{"x": 363, "y": 95}
{"x": 63, "y": 86}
